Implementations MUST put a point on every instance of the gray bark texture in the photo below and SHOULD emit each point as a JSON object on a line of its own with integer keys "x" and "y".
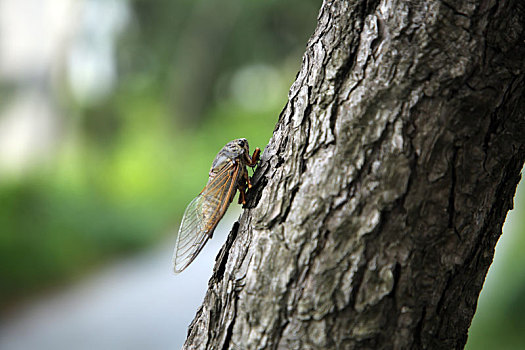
{"x": 381, "y": 195}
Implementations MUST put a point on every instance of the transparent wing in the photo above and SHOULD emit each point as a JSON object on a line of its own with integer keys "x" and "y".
{"x": 202, "y": 215}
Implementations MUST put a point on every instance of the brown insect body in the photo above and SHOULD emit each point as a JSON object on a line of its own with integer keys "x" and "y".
{"x": 227, "y": 174}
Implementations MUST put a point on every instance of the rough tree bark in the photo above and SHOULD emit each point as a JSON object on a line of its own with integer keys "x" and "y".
{"x": 382, "y": 193}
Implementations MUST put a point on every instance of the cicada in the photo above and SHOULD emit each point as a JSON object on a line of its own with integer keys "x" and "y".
{"x": 227, "y": 174}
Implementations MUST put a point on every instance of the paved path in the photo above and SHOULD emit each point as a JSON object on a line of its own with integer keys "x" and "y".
{"x": 134, "y": 304}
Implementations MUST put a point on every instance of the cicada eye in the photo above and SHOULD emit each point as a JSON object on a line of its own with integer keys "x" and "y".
{"x": 241, "y": 143}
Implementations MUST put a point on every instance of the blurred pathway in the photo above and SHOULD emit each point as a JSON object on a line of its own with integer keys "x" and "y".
{"x": 135, "y": 304}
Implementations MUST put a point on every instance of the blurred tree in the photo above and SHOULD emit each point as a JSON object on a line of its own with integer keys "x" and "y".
{"x": 188, "y": 46}
{"x": 382, "y": 194}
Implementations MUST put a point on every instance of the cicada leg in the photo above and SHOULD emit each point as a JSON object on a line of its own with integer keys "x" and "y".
{"x": 254, "y": 158}
{"x": 242, "y": 194}
{"x": 247, "y": 178}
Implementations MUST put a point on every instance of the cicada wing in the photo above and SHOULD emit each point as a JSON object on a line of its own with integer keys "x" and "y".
{"x": 202, "y": 216}
{"x": 218, "y": 192}
{"x": 192, "y": 235}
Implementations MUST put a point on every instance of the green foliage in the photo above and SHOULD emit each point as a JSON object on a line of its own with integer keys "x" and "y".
{"x": 115, "y": 187}
{"x": 499, "y": 322}
{"x": 48, "y": 234}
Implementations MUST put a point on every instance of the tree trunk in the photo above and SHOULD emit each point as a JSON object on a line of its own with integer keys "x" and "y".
{"x": 382, "y": 193}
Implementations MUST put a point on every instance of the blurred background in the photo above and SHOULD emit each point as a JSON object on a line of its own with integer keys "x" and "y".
{"x": 111, "y": 112}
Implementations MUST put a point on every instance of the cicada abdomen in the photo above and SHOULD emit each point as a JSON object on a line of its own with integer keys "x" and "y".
{"x": 227, "y": 174}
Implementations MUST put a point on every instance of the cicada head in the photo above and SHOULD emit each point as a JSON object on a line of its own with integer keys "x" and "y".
{"x": 236, "y": 148}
